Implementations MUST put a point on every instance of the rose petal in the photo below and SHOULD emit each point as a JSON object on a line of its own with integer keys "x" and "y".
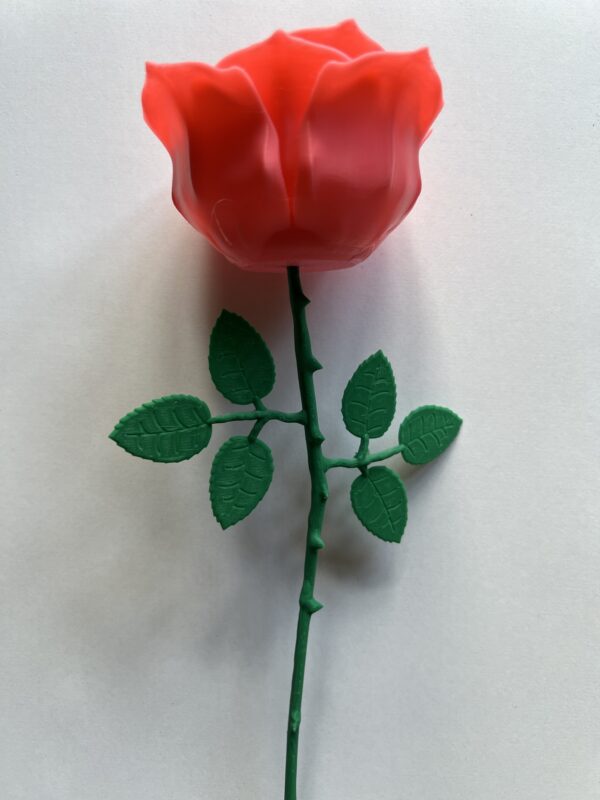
{"x": 233, "y": 194}
{"x": 284, "y": 70}
{"x": 359, "y": 167}
{"x": 346, "y": 37}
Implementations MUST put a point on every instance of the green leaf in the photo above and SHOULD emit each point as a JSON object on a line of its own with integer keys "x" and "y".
{"x": 426, "y": 432}
{"x": 169, "y": 429}
{"x": 369, "y": 400}
{"x": 240, "y": 363}
{"x": 240, "y": 476}
{"x": 379, "y": 501}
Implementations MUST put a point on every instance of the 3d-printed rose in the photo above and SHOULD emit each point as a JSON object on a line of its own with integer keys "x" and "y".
{"x": 302, "y": 149}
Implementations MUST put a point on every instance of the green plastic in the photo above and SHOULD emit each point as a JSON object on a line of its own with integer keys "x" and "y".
{"x": 369, "y": 401}
{"x": 166, "y": 430}
{"x": 177, "y": 427}
{"x": 240, "y": 363}
{"x": 362, "y": 459}
{"x": 379, "y": 501}
{"x": 263, "y": 415}
{"x": 307, "y": 365}
{"x": 426, "y": 432}
{"x": 240, "y": 476}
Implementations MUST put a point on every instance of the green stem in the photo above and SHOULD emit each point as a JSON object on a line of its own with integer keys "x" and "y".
{"x": 361, "y": 454}
{"x": 363, "y": 450}
{"x": 362, "y": 461}
{"x": 307, "y": 365}
{"x": 265, "y": 414}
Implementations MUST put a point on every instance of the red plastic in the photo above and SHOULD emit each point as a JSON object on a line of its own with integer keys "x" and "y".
{"x": 302, "y": 149}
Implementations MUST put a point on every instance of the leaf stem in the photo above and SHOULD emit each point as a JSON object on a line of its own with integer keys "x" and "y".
{"x": 362, "y": 460}
{"x": 362, "y": 453}
{"x": 265, "y": 414}
{"x": 307, "y": 365}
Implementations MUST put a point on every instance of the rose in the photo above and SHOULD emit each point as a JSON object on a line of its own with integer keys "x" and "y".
{"x": 302, "y": 149}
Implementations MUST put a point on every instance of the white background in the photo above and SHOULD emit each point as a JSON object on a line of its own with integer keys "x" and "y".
{"x": 147, "y": 654}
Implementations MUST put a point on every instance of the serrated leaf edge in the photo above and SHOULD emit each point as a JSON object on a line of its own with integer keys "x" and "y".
{"x": 377, "y": 353}
{"x": 148, "y": 407}
{"x": 371, "y": 531}
{"x": 210, "y": 481}
{"x": 226, "y": 313}
{"x": 429, "y": 407}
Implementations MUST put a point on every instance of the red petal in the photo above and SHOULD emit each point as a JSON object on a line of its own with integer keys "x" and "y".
{"x": 346, "y": 37}
{"x": 227, "y": 178}
{"x": 284, "y": 71}
{"x": 359, "y": 168}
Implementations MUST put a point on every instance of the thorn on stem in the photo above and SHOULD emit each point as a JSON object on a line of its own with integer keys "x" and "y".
{"x": 307, "y": 600}
{"x": 315, "y": 540}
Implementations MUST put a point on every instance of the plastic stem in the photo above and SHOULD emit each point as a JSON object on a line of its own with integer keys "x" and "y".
{"x": 259, "y": 414}
{"x": 307, "y": 365}
{"x": 362, "y": 461}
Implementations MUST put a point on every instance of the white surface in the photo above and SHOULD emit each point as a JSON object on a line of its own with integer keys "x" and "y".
{"x": 147, "y": 654}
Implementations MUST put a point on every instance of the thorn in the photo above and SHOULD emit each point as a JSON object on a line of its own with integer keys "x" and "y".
{"x": 310, "y": 605}
{"x": 307, "y": 600}
{"x": 315, "y": 541}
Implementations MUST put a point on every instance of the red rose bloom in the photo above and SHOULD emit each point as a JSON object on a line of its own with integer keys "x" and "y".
{"x": 302, "y": 149}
